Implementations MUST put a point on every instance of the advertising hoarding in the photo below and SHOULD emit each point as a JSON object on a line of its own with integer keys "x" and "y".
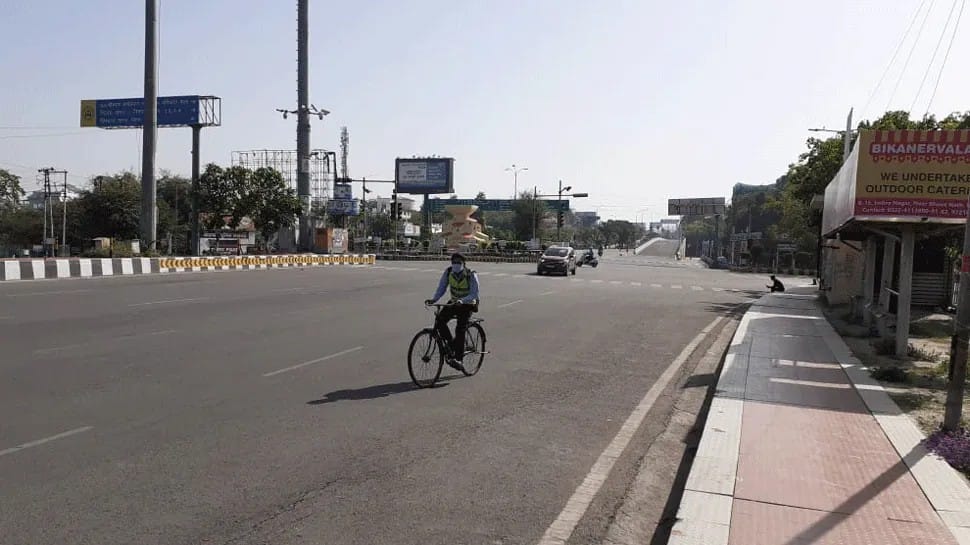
{"x": 424, "y": 176}
{"x": 343, "y": 207}
{"x": 913, "y": 173}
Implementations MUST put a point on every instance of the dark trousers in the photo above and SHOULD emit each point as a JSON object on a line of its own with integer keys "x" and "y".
{"x": 448, "y": 313}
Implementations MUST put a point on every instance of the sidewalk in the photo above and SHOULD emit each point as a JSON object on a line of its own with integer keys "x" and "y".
{"x": 802, "y": 446}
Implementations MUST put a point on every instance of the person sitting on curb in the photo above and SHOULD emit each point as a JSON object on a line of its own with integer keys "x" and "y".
{"x": 776, "y": 285}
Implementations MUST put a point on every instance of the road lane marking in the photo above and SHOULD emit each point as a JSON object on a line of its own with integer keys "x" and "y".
{"x": 482, "y": 273}
{"x": 39, "y": 442}
{"x": 697, "y": 288}
{"x": 167, "y": 301}
{"x": 562, "y": 528}
{"x": 596, "y": 281}
{"x": 58, "y": 292}
{"x": 510, "y": 304}
{"x": 717, "y": 289}
{"x": 543, "y": 294}
{"x": 656, "y": 286}
{"x": 289, "y": 289}
{"x": 615, "y": 282}
{"x": 311, "y": 362}
{"x": 501, "y": 274}
{"x": 635, "y": 284}
{"x": 579, "y": 280}
{"x": 676, "y": 287}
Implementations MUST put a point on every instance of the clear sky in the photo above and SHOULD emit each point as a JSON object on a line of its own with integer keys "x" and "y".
{"x": 632, "y": 101}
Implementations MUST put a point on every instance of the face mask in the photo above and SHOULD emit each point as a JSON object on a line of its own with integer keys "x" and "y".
{"x": 457, "y": 268}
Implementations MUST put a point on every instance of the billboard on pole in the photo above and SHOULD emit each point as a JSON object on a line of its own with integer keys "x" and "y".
{"x": 913, "y": 173}
{"x": 907, "y": 176}
{"x": 424, "y": 176}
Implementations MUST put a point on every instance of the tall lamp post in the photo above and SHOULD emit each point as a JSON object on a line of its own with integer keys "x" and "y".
{"x": 559, "y": 195}
{"x": 515, "y": 179}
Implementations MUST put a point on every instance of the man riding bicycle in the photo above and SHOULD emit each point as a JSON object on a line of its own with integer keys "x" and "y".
{"x": 463, "y": 284}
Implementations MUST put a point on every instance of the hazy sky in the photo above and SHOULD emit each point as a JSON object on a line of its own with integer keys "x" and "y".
{"x": 632, "y": 101}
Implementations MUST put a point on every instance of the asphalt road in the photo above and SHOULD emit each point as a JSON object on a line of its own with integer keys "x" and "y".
{"x": 275, "y": 406}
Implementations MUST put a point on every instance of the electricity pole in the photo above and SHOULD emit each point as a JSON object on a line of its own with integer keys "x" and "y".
{"x": 303, "y": 121}
{"x": 149, "y": 210}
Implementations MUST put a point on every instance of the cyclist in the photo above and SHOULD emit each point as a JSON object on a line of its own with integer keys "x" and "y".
{"x": 463, "y": 284}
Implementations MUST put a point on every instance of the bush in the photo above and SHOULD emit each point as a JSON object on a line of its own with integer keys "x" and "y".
{"x": 954, "y": 447}
{"x": 890, "y": 374}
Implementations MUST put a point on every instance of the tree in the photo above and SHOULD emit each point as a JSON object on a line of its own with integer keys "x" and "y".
{"x": 528, "y": 213}
{"x": 21, "y": 226}
{"x": 270, "y": 203}
{"x": 112, "y": 208}
{"x": 11, "y": 193}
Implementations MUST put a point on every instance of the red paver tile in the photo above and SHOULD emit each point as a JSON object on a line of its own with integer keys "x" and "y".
{"x": 754, "y": 523}
{"x": 826, "y": 460}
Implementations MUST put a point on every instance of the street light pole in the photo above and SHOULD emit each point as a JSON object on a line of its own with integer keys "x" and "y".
{"x": 515, "y": 179}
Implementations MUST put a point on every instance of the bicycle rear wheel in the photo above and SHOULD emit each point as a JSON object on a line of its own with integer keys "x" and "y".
{"x": 425, "y": 359}
{"x": 475, "y": 350}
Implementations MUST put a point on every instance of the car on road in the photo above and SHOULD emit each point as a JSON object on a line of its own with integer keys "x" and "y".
{"x": 557, "y": 259}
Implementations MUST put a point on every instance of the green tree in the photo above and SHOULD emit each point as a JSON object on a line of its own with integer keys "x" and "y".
{"x": 112, "y": 208}
{"x": 270, "y": 203}
{"x": 11, "y": 193}
{"x": 528, "y": 213}
{"x": 21, "y": 226}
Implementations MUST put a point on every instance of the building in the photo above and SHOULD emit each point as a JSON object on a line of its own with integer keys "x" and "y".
{"x": 587, "y": 219}
{"x": 383, "y": 204}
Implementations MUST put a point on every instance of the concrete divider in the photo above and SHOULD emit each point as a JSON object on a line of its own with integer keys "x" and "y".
{"x": 41, "y": 269}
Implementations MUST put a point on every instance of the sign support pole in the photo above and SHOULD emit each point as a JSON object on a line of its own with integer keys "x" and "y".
{"x": 149, "y": 208}
{"x": 194, "y": 219}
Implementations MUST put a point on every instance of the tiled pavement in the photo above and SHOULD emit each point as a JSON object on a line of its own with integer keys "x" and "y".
{"x": 801, "y": 446}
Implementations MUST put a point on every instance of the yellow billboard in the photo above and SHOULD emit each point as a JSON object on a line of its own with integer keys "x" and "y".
{"x": 911, "y": 173}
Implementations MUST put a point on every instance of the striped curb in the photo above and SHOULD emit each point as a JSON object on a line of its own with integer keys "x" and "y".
{"x": 42, "y": 269}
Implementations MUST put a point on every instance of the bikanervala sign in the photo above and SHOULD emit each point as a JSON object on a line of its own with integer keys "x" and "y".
{"x": 913, "y": 173}
{"x": 901, "y": 176}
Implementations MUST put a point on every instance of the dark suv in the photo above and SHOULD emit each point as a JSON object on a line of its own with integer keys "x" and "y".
{"x": 558, "y": 259}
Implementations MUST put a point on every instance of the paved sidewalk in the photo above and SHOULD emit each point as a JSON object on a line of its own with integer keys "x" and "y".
{"x": 802, "y": 446}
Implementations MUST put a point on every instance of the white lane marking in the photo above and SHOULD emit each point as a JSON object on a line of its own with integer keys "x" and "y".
{"x": 676, "y": 287}
{"x": 543, "y": 294}
{"x": 655, "y": 286}
{"x": 697, "y": 288}
{"x": 510, "y": 304}
{"x": 311, "y": 362}
{"x": 39, "y": 442}
{"x": 596, "y": 281}
{"x": 289, "y": 289}
{"x": 717, "y": 289}
{"x": 483, "y": 273}
{"x": 615, "y": 282}
{"x": 168, "y": 301}
{"x": 635, "y": 284}
{"x": 33, "y": 293}
{"x": 579, "y": 280}
{"x": 501, "y": 274}
{"x": 562, "y": 528}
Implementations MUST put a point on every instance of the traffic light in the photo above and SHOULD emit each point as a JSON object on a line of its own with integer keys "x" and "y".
{"x": 560, "y": 216}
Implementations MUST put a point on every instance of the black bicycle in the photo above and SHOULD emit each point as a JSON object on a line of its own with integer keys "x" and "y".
{"x": 427, "y": 353}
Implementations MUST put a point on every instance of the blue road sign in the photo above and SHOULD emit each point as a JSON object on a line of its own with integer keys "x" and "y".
{"x": 491, "y": 205}
{"x": 122, "y": 113}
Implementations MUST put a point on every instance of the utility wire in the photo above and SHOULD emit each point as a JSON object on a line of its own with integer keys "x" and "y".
{"x": 899, "y": 46}
{"x": 946, "y": 56}
{"x": 910, "y": 56}
{"x": 936, "y": 50}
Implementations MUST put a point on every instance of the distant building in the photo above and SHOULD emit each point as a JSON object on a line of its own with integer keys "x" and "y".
{"x": 587, "y": 219}
{"x": 383, "y": 204}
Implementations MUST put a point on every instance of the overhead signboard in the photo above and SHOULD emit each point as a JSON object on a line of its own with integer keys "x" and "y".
{"x": 787, "y": 247}
{"x": 492, "y": 205}
{"x": 747, "y": 236}
{"x": 696, "y": 207}
{"x": 424, "y": 176}
{"x": 126, "y": 113}
{"x": 343, "y": 207}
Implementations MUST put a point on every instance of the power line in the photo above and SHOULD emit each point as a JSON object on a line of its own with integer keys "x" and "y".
{"x": 865, "y": 109}
{"x": 48, "y": 135}
{"x": 919, "y": 33}
{"x": 946, "y": 56}
{"x": 34, "y": 128}
{"x": 936, "y": 50}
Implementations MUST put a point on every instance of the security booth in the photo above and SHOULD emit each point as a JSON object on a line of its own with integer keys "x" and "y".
{"x": 885, "y": 218}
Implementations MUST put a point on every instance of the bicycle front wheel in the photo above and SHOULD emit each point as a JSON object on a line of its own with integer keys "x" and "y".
{"x": 425, "y": 359}
{"x": 475, "y": 350}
